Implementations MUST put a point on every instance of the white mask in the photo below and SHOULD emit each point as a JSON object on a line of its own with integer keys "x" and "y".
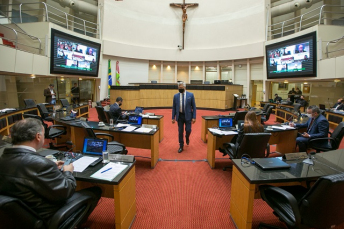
{"x": 309, "y": 115}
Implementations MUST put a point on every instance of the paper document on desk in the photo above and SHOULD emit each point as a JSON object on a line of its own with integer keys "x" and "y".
{"x": 221, "y": 132}
{"x": 282, "y": 127}
{"x": 82, "y": 163}
{"x": 145, "y": 116}
{"x": 229, "y": 132}
{"x": 121, "y": 125}
{"x": 129, "y": 128}
{"x": 153, "y": 116}
{"x": 143, "y": 130}
{"x": 109, "y": 172}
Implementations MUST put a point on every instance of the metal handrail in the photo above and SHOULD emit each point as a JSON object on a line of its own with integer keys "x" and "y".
{"x": 46, "y": 7}
{"x": 333, "y": 42}
{"x": 298, "y": 20}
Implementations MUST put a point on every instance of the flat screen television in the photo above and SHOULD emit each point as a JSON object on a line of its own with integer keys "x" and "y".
{"x": 295, "y": 57}
{"x": 73, "y": 55}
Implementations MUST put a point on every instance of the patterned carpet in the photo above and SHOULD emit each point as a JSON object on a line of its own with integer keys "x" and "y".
{"x": 177, "y": 193}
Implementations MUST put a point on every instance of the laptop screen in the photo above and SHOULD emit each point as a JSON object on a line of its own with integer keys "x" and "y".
{"x": 138, "y": 110}
{"x": 94, "y": 146}
{"x": 271, "y": 100}
{"x": 225, "y": 122}
{"x": 135, "y": 120}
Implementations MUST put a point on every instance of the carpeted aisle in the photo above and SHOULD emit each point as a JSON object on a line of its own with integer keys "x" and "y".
{"x": 179, "y": 193}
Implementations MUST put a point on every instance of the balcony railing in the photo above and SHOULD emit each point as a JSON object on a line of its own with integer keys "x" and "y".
{"x": 324, "y": 14}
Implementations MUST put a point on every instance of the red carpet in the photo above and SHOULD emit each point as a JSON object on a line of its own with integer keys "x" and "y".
{"x": 181, "y": 194}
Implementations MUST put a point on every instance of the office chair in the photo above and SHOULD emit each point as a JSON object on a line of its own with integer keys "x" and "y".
{"x": 321, "y": 206}
{"x": 297, "y": 107}
{"x": 16, "y": 214}
{"x": 239, "y": 115}
{"x": 253, "y": 144}
{"x": 29, "y": 103}
{"x": 44, "y": 113}
{"x": 101, "y": 114}
{"x": 64, "y": 103}
{"x": 51, "y": 132}
{"x": 113, "y": 147}
{"x": 322, "y": 106}
{"x": 99, "y": 103}
{"x": 265, "y": 118}
{"x": 333, "y": 141}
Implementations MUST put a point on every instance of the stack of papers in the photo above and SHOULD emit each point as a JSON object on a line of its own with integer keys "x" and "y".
{"x": 109, "y": 172}
{"x": 82, "y": 163}
{"x": 129, "y": 128}
{"x": 283, "y": 127}
{"x": 153, "y": 116}
{"x": 121, "y": 125}
{"x": 221, "y": 132}
{"x": 143, "y": 130}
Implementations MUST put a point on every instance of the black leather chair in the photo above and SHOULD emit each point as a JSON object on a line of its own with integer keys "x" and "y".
{"x": 239, "y": 115}
{"x": 16, "y": 214}
{"x": 101, "y": 114}
{"x": 333, "y": 141}
{"x": 265, "y": 108}
{"x": 253, "y": 144}
{"x": 265, "y": 118}
{"x": 321, "y": 206}
{"x": 297, "y": 107}
{"x": 29, "y": 103}
{"x": 44, "y": 113}
{"x": 113, "y": 146}
{"x": 51, "y": 132}
{"x": 64, "y": 103}
{"x": 99, "y": 103}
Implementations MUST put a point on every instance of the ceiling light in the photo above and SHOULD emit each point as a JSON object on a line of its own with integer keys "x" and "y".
{"x": 196, "y": 68}
{"x": 305, "y": 83}
{"x": 80, "y": 78}
{"x": 154, "y": 66}
{"x": 33, "y": 76}
{"x": 337, "y": 80}
{"x": 285, "y": 81}
{"x": 168, "y": 67}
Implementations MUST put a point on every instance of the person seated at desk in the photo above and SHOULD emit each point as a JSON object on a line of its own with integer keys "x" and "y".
{"x": 36, "y": 180}
{"x": 251, "y": 125}
{"x": 302, "y": 101}
{"x": 339, "y": 105}
{"x": 277, "y": 99}
{"x": 116, "y": 111}
{"x": 287, "y": 102}
{"x": 317, "y": 127}
{"x": 298, "y": 91}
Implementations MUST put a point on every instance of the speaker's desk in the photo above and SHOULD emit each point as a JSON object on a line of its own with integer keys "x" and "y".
{"x": 285, "y": 141}
{"x": 76, "y": 133}
{"x": 246, "y": 181}
{"x": 121, "y": 189}
{"x": 213, "y": 122}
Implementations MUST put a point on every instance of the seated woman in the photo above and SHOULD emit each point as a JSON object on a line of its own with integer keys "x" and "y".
{"x": 251, "y": 125}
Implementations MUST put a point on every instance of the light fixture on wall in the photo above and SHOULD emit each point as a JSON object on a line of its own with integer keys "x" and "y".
{"x": 80, "y": 78}
{"x": 285, "y": 81}
{"x": 337, "y": 80}
{"x": 154, "y": 66}
{"x": 32, "y": 76}
{"x": 196, "y": 68}
{"x": 168, "y": 67}
{"x": 239, "y": 65}
{"x": 305, "y": 83}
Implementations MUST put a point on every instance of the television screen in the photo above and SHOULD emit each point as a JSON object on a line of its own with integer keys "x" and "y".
{"x": 295, "y": 57}
{"x": 73, "y": 55}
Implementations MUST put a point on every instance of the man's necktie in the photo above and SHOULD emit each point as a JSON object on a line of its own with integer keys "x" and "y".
{"x": 310, "y": 125}
{"x": 183, "y": 104}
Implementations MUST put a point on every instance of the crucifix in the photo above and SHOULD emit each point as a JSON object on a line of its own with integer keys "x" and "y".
{"x": 185, "y": 16}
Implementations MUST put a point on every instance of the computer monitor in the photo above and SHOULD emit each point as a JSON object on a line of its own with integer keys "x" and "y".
{"x": 94, "y": 146}
{"x": 138, "y": 110}
{"x": 135, "y": 120}
{"x": 217, "y": 81}
{"x": 225, "y": 122}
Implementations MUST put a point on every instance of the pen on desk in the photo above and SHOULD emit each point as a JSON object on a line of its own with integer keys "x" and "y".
{"x": 106, "y": 170}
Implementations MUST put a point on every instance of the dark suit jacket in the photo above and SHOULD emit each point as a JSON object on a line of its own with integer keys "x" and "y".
{"x": 116, "y": 112}
{"x": 319, "y": 128}
{"x": 341, "y": 107}
{"x": 279, "y": 99}
{"x": 35, "y": 180}
{"x": 190, "y": 106}
{"x": 47, "y": 95}
{"x": 302, "y": 102}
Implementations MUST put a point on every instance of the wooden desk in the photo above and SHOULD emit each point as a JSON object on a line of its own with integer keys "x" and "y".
{"x": 291, "y": 107}
{"x": 285, "y": 141}
{"x": 122, "y": 189}
{"x": 159, "y": 122}
{"x": 334, "y": 118}
{"x": 246, "y": 181}
{"x": 76, "y": 133}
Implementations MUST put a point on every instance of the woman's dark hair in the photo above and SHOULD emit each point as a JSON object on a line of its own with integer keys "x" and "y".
{"x": 251, "y": 124}
{"x": 25, "y": 130}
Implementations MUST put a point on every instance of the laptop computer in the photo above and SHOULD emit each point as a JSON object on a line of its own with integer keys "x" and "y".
{"x": 138, "y": 110}
{"x": 271, "y": 100}
{"x": 94, "y": 146}
{"x": 135, "y": 120}
{"x": 271, "y": 163}
{"x": 226, "y": 124}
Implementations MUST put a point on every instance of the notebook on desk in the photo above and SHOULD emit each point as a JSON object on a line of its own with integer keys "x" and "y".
{"x": 271, "y": 163}
{"x": 226, "y": 124}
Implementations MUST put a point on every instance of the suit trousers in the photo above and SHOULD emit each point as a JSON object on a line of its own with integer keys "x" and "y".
{"x": 302, "y": 142}
{"x": 181, "y": 122}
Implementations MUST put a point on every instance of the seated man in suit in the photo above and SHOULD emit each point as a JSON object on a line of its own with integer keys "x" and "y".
{"x": 277, "y": 99}
{"x": 116, "y": 111}
{"x": 339, "y": 104}
{"x": 302, "y": 101}
{"x": 35, "y": 180}
{"x": 317, "y": 127}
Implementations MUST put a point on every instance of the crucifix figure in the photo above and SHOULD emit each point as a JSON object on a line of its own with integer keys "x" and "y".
{"x": 185, "y": 16}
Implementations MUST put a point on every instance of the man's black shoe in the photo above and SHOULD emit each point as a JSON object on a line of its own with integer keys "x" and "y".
{"x": 180, "y": 149}
{"x": 187, "y": 141}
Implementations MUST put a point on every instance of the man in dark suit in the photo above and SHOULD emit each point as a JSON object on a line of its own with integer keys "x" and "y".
{"x": 36, "y": 180}
{"x": 302, "y": 101}
{"x": 339, "y": 104}
{"x": 116, "y": 111}
{"x": 277, "y": 98}
{"x": 50, "y": 94}
{"x": 184, "y": 112}
{"x": 317, "y": 127}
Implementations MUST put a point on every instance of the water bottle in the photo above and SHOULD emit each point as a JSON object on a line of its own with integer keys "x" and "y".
{"x": 106, "y": 157}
